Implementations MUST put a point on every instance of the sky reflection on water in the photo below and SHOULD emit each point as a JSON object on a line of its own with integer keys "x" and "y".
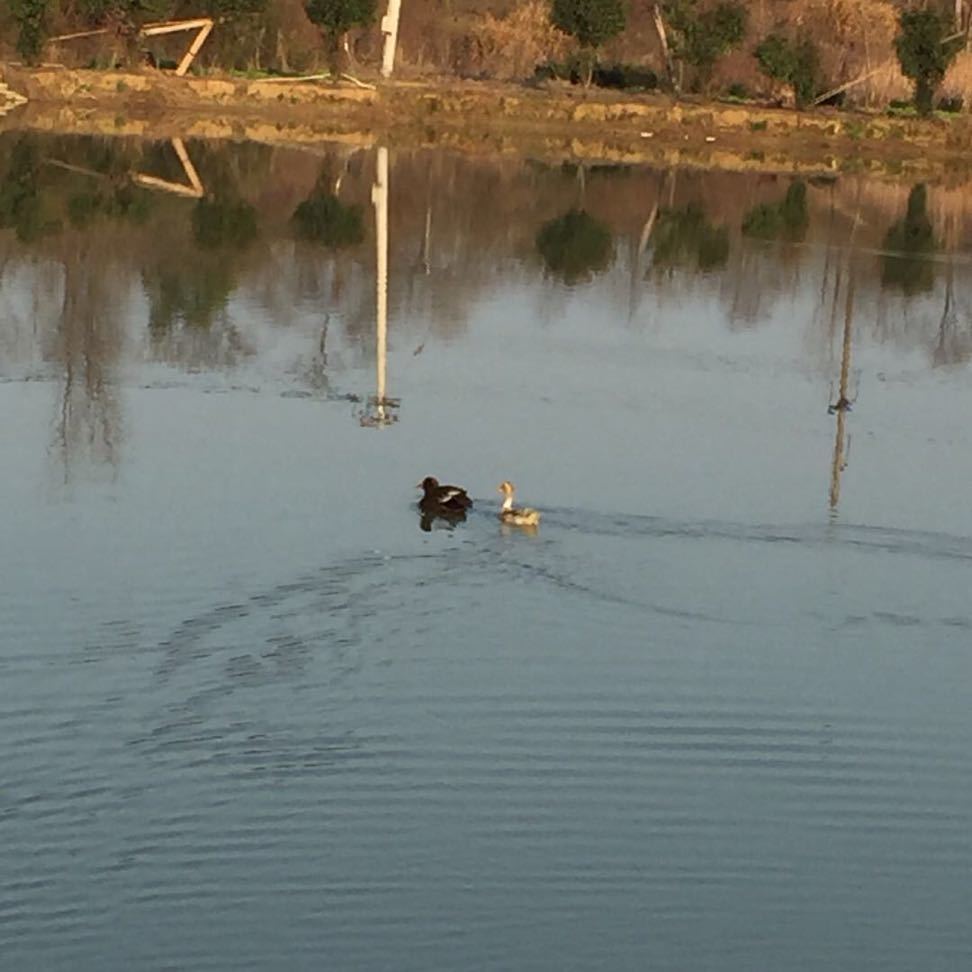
{"x": 713, "y": 715}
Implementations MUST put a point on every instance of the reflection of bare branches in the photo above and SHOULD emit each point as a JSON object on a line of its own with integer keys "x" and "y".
{"x": 747, "y": 290}
{"x": 947, "y": 326}
{"x": 220, "y": 346}
{"x": 316, "y": 372}
{"x": 953, "y": 346}
{"x": 637, "y": 270}
{"x": 426, "y": 257}
{"x": 89, "y": 344}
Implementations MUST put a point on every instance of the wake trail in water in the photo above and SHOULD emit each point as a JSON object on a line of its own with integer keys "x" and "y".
{"x": 877, "y": 539}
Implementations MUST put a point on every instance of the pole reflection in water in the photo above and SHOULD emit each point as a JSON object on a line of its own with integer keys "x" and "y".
{"x": 194, "y": 189}
{"x": 843, "y": 405}
{"x": 381, "y": 411}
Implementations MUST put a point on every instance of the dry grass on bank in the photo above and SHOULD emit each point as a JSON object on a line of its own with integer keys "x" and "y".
{"x": 511, "y": 47}
{"x": 506, "y": 40}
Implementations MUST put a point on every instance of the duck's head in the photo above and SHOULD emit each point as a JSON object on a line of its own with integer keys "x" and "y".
{"x": 428, "y": 484}
{"x": 505, "y": 487}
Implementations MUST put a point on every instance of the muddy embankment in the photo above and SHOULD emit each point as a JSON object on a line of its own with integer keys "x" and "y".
{"x": 553, "y": 123}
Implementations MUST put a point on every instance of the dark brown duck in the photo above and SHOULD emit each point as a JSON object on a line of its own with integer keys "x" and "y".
{"x": 439, "y": 498}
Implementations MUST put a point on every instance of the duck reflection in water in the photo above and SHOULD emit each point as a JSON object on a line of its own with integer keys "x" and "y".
{"x": 443, "y": 503}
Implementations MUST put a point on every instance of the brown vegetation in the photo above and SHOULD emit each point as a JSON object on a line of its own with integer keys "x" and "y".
{"x": 508, "y": 39}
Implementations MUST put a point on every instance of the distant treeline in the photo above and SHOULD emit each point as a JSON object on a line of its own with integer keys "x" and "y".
{"x": 879, "y": 52}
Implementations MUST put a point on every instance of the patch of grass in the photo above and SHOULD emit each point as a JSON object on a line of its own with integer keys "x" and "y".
{"x": 901, "y": 109}
{"x": 758, "y": 126}
{"x": 253, "y": 74}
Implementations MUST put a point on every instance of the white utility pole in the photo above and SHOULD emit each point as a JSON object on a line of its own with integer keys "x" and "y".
{"x": 389, "y": 27}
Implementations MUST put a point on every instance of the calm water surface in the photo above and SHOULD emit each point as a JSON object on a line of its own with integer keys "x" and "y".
{"x": 712, "y": 716}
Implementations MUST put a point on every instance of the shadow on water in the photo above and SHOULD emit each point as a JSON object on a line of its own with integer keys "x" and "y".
{"x": 438, "y": 519}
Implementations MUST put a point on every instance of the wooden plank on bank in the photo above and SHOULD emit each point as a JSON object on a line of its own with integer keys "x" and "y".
{"x": 204, "y": 26}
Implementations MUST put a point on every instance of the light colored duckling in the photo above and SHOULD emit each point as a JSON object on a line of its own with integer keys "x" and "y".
{"x": 516, "y": 515}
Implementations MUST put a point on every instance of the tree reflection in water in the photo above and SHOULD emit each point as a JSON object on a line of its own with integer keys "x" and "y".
{"x": 910, "y": 244}
{"x": 278, "y": 241}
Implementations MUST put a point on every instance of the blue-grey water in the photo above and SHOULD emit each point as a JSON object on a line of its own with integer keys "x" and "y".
{"x": 713, "y": 715}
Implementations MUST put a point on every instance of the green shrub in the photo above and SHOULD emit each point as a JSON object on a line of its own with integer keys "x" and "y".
{"x": 792, "y": 62}
{"x": 336, "y": 17}
{"x": 591, "y": 22}
{"x": 31, "y": 19}
{"x": 925, "y": 50}
{"x": 699, "y": 37}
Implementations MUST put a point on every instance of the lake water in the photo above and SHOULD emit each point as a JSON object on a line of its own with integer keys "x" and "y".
{"x": 713, "y": 715}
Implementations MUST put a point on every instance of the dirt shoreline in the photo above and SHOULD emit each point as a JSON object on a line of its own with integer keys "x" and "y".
{"x": 553, "y": 123}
